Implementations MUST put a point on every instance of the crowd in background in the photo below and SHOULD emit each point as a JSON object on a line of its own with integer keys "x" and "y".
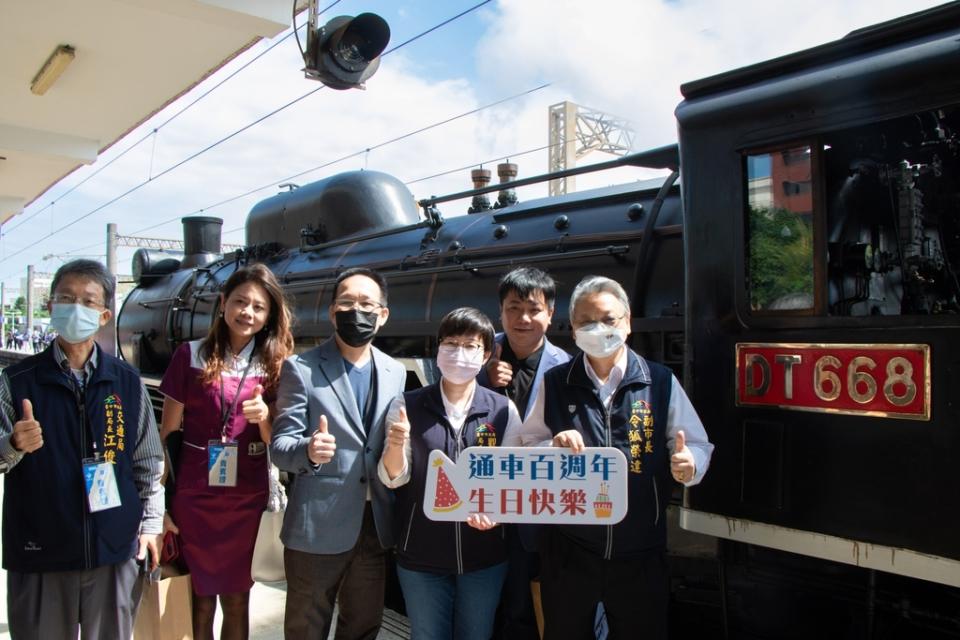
{"x": 28, "y": 341}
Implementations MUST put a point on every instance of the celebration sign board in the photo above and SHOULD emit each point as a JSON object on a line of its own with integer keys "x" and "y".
{"x": 528, "y": 484}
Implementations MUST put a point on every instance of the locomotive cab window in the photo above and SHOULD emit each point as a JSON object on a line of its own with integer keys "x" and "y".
{"x": 884, "y": 238}
{"x": 779, "y": 217}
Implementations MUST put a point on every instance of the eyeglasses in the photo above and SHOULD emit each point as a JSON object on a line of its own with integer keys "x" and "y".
{"x": 609, "y": 321}
{"x": 66, "y": 298}
{"x": 469, "y": 348}
{"x": 348, "y": 304}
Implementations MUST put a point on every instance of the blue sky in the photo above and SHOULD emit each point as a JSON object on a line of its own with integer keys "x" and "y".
{"x": 626, "y": 57}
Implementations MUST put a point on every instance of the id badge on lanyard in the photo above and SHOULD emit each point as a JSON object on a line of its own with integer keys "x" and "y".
{"x": 222, "y": 463}
{"x": 100, "y": 479}
{"x": 222, "y": 454}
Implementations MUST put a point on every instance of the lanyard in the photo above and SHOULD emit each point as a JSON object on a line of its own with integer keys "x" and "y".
{"x": 226, "y": 412}
{"x": 79, "y": 389}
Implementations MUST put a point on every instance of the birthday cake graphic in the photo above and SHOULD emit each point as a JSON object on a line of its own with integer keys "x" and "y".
{"x": 602, "y": 507}
{"x": 446, "y": 498}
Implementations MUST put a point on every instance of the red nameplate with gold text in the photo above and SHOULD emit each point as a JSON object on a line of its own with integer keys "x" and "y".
{"x": 882, "y": 380}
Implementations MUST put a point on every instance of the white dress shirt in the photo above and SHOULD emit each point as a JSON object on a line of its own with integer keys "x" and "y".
{"x": 680, "y": 416}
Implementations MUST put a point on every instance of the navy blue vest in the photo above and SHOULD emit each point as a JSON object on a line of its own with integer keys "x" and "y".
{"x": 47, "y": 525}
{"x": 446, "y": 547}
{"x": 637, "y": 426}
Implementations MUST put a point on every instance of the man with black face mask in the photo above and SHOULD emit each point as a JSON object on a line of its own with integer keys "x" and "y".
{"x": 329, "y": 433}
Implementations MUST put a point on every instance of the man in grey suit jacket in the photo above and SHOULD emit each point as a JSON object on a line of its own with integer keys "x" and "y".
{"x": 328, "y": 433}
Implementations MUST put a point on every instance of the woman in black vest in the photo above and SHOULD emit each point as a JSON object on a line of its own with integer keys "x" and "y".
{"x": 450, "y": 574}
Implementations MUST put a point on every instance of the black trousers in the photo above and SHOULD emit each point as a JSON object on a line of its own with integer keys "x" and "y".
{"x": 515, "y": 617}
{"x": 634, "y": 590}
{"x": 354, "y": 579}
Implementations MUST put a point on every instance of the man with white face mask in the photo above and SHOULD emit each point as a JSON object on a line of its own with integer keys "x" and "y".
{"x": 81, "y": 450}
{"x": 610, "y": 396}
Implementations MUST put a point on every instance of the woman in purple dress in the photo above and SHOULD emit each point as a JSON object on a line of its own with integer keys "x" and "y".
{"x": 217, "y": 390}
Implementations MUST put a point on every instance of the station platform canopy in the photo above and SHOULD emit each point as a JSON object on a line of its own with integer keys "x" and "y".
{"x": 119, "y": 62}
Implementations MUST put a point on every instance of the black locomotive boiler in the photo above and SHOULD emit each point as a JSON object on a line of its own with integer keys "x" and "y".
{"x": 802, "y": 277}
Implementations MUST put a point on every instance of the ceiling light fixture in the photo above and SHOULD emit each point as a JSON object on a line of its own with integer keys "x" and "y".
{"x": 52, "y": 68}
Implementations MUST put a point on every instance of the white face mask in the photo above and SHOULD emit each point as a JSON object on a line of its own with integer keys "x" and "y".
{"x": 74, "y": 322}
{"x": 600, "y": 341}
{"x": 457, "y": 367}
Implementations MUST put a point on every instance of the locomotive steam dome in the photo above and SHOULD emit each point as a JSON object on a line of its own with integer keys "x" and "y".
{"x": 333, "y": 208}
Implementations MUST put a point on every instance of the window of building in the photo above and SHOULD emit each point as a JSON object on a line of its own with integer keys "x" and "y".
{"x": 780, "y": 230}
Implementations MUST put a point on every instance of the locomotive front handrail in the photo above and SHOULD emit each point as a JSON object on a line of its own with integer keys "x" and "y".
{"x": 460, "y": 253}
{"x": 152, "y": 303}
{"x": 360, "y": 238}
{"x": 394, "y": 269}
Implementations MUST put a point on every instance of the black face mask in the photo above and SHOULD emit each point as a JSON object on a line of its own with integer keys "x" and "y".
{"x": 355, "y": 327}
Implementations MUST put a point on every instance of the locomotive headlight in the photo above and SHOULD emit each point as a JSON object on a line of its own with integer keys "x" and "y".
{"x": 345, "y": 52}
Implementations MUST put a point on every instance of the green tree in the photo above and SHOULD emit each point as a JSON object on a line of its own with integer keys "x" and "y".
{"x": 781, "y": 255}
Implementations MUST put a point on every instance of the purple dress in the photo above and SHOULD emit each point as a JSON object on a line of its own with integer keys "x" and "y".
{"x": 218, "y": 525}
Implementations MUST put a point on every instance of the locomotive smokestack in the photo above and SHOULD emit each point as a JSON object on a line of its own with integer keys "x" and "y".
{"x": 201, "y": 240}
{"x": 507, "y": 172}
{"x": 481, "y": 178}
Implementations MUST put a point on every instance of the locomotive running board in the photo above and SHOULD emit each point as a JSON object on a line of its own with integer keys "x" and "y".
{"x": 904, "y": 562}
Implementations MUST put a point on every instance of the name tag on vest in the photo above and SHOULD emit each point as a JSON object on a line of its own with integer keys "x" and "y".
{"x": 100, "y": 478}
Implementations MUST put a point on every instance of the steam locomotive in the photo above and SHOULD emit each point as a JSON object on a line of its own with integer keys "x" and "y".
{"x": 802, "y": 278}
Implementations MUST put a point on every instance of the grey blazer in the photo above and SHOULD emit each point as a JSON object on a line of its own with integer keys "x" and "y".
{"x": 326, "y": 502}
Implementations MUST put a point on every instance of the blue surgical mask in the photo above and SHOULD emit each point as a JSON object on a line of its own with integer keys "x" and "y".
{"x": 75, "y": 322}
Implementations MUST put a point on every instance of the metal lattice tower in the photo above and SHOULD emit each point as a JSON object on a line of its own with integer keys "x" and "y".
{"x": 575, "y": 131}
{"x": 164, "y": 243}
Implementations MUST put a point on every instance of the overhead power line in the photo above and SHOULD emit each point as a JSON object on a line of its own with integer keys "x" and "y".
{"x": 228, "y": 137}
{"x": 353, "y": 154}
{"x": 517, "y": 154}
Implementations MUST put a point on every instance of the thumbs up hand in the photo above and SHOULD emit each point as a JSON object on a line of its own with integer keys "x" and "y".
{"x": 27, "y": 435}
{"x": 323, "y": 444}
{"x": 681, "y": 462}
{"x": 255, "y": 409}
{"x": 398, "y": 432}
{"x": 499, "y": 372}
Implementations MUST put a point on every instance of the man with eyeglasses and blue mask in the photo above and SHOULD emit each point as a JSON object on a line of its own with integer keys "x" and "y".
{"x": 82, "y": 500}
{"x": 329, "y": 434}
{"x": 611, "y": 396}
